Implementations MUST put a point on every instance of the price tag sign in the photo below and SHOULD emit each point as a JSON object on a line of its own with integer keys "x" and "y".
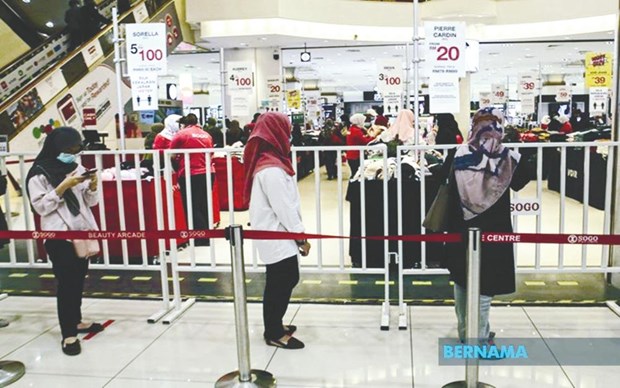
{"x": 528, "y": 87}
{"x": 274, "y": 88}
{"x": 240, "y": 77}
{"x": 146, "y": 48}
{"x": 563, "y": 94}
{"x": 599, "y": 100}
{"x": 499, "y": 95}
{"x": 446, "y": 48}
{"x": 485, "y": 100}
{"x": 390, "y": 76}
{"x": 598, "y": 70}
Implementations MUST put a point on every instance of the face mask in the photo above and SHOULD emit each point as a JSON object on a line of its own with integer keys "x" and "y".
{"x": 367, "y": 125}
{"x": 66, "y": 158}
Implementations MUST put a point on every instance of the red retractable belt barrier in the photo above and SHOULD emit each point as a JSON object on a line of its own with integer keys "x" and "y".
{"x": 602, "y": 239}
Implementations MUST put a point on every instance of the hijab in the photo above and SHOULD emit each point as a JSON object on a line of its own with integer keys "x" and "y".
{"x": 358, "y": 120}
{"x": 171, "y": 126}
{"x": 483, "y": 167}
{"x": 46, "y": 163}
{"x": 403, "y": 126}
{"x": 268, "y": 146}
{"x": 447, "y": 129}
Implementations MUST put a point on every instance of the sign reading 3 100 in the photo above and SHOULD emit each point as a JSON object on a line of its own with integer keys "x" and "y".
{"x": 146, "y": 48}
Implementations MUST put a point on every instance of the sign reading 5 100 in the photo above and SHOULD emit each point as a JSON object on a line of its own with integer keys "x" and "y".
{"x": 146, "y": 48}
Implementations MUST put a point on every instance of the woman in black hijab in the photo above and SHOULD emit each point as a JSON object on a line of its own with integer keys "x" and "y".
{"x": 61, "y": 192}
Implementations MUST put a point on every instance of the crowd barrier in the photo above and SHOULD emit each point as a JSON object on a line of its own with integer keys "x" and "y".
{"x": 156, "y": 207}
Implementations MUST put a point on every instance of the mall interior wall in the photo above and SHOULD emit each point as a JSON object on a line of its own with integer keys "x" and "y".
{"x": 10, "y": 39}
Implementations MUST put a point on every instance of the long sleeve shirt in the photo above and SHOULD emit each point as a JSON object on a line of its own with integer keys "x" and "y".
{"x": 53, "y": 210}
{"x": 356, "y": 138}
{"x": 275, "y": 206}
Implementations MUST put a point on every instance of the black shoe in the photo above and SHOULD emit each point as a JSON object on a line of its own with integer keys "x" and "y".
{"x": 289, "y": 329}
{"x": 72, "y": 349}
{"x": 93, "y": 328}
{"x": 292, "y": 343}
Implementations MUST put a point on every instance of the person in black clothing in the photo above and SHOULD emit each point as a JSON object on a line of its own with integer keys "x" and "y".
{"x": 484, "y": 173}
{"x": 448, "y": 130}
{"x": 233, "y": 134}
{"x": 74, "y": 26}
{"x": 297, "y": 137}
{"x": 92, "y": 19}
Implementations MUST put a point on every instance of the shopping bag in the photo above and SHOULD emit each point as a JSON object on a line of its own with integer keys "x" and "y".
{"x": 86, "y": 248}
{"x": 439, "y": 216}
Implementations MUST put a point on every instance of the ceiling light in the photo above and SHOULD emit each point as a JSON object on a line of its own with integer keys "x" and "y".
{"x": 262, "y": 38}
{"x": 243, "y": 44}
{"x": 49, "y": 24}
{"x": 26, "y": 1}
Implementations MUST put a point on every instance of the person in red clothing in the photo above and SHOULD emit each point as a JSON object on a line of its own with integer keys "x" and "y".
{"x": 192, "y": 136}
{"x": 566, "y": 127}
{"x": 356, "y": 137}
{"x": 164, "y": 138}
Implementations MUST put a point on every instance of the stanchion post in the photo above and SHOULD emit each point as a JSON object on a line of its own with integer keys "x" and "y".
{"x": 245, "y": 376}
{"x": 473, "y": 311}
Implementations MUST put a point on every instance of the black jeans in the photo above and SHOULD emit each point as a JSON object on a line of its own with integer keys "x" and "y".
{"x": 200, "y": 206}
{"x": 282, "y": 277}
{"x": 354, "y": 165}
{"x": 330, "y": 164}
{"x": 70, "y": 272}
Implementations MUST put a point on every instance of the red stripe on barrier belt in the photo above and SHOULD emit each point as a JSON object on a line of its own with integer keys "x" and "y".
{"x": 216, "y": 233}
{"x": 602, "y": 239}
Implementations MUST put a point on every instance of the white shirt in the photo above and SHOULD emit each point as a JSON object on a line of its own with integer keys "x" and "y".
{"x": 274, "y": 206}
{"x": 54, "y": 212}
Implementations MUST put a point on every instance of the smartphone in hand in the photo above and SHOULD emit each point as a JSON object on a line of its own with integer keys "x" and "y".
{"x": 88, "y": 173}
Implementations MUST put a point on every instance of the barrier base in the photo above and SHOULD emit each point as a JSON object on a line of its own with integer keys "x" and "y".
{"x": 385, "y": 316}
{"x": 178, "y": 312}
{"x": 158, "y": 315}
{"x": 3, "y": 296}
{"x": 10, "y": 372}
{"x": 403, "y": 318}
{"x": 259, "y": 378}
{"x": 463, "y": 384}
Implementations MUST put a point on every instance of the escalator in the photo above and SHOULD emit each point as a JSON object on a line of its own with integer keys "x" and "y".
{"x": 37, "y": 90}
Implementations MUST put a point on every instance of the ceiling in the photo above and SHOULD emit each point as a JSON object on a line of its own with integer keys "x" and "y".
{"x": 353, "y": 67}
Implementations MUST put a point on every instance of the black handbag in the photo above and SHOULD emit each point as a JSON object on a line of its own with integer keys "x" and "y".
{"x": 441, "y": 213}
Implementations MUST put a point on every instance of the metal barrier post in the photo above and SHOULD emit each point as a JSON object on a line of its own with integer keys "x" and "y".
{"x": 473, "y": 311}
{"x": 245, "y": 376}
{"x": 10, "y": 372}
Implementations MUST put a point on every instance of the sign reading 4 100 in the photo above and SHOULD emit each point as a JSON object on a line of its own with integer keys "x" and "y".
{"x": 446, "y": 48}
{"x": 146, "y": 48}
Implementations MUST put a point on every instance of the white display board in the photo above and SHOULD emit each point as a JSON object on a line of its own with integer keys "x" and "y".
{"x": 498, "y": 95}
{"x": 528, "y": 88}
{"x": 274, "y": 90}
{"x": 445, "y": 48}
{"x": 599, "y": 100}
{"x": 144, "y": 92}
{"x": 390, "y": 76}
{"x": 240, "y": 77}
{"x": 146, "y": 48}
{"x": 485, "y": 100}
{"x": 391, "y": 103}
{"x": 240, "y": 105}
{"x": 563, "y": 94}
{"x": 444, "y": 94}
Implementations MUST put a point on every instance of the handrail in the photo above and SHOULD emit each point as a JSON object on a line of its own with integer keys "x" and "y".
{"x": 9, "y": 101}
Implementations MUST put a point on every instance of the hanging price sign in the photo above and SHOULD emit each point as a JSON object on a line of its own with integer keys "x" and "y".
{"x": 499, "y": 95}
{"x": 240, "y": 77}
{"x": 528, "y": 87}
{"x": 485, "y": 100}
{"x": 390, "y": 76}
{"x": 598, "y": 70}
{"x": 445, "y": 48}
{"x": 563, "y": 95}
{"x": 146, "y": 48}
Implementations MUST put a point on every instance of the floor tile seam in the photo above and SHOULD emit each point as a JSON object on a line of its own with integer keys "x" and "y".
{"x": 276, "y": 349}
{"x": 2, "y": 357}
{"x": 166, "y": 380}
{"x": 167, "y": 327}
{"x": 549, "y": 348}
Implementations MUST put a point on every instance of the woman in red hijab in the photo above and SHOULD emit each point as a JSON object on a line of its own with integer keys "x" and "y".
{"x": 271, "y": 187}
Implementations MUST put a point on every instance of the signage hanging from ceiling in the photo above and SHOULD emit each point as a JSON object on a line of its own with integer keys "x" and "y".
{"x": 444, "y": 94}
{"x": 598, "y": 70}
{"x": 146, "y": 48}
{"x": 445, "y": 48}
{"x": 499, "y": 95}
{"x": 390, "y": 76}
{"x": 528, "y": 88}
{"x": 240, "y": 77}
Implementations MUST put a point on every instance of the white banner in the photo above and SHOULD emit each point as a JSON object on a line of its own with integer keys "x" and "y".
{"x": 240, "y": 105}
{"x": 144, "y": 92}
{"x": 498, "y": 95}
{"x": 274, "y": 90}
{"x": 92, "y": 53}
{"x": 390, "y": 76}
{"x": 444, "y": 94}
{"x": 141, "y": 13}
{"x": 51, "y": 86}
{"x": 446, "y": 48}
{"x": 525, "y": 206}
{"x": 598, "y": 100}
{"x": 240, "y": 77}
{"x": 485, "y": 100}
{"x": 563, "y": 94}
{"x": 146, "y": 48}
{"x": 391, "y": 103}
{"x": 528, "y": 104}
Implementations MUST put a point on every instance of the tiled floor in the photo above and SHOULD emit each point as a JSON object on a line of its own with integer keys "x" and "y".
{"x": 344, "y": 346}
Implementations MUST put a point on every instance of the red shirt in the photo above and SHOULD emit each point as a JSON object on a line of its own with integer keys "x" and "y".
{"x": 356, "y": 138}
{"x": 161, "y": 143}
{"x": 192, "y": 138}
